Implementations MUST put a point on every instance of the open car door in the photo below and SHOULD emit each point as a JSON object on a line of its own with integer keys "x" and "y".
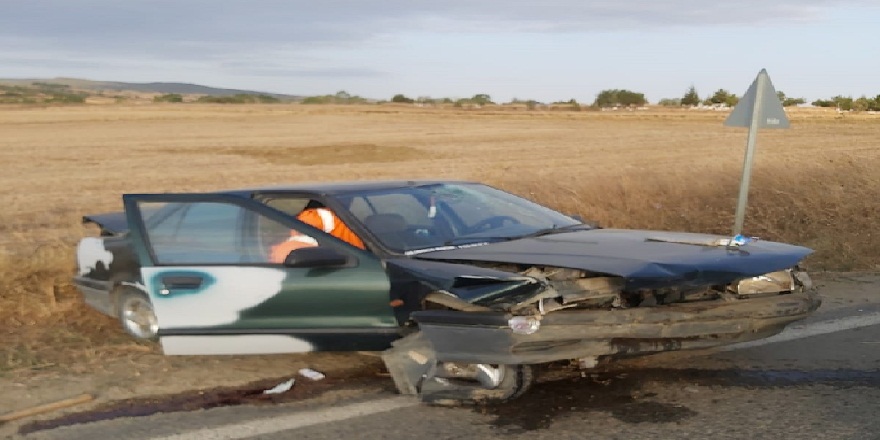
{"x": 206, "y": 267}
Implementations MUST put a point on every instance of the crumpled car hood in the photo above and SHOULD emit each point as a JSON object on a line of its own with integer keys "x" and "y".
{"x": 647, "y": 259}
{"x": 473, "y": 284}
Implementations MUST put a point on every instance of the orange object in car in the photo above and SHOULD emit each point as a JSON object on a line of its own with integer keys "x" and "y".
{"x": 325, "y": 220}
{"x": 319, "y": 218}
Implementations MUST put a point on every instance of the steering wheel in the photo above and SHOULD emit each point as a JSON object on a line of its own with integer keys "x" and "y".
{"x": 496, "y": 221}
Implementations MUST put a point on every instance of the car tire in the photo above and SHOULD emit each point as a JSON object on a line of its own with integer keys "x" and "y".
{"x": 136, "y": 314}
{"x": 516, "y": 380}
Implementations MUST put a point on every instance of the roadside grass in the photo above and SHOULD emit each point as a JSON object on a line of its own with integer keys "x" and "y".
{"x": 816, "y": 185}
{"x": 831, "y": 208}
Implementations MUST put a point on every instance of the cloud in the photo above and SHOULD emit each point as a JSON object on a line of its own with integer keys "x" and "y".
{"x": 48, "y": 62}
{"x": 293, "y": 71}
{"x": 314, "y": 42}
{"x": 163, "y": 25}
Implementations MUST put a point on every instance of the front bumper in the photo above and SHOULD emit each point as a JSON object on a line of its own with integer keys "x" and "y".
{"x": 485, "y": 337}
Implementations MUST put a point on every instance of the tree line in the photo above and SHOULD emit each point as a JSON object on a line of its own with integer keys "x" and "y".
{"x": 609, "y": 98}
{"x": 623, "y": 98}
{"x": 238, "y": 98}
{"x": 721, "y": 97}
{"x": 39, "y": 92}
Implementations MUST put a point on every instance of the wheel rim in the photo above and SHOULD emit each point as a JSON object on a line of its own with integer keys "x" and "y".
{"x": 488, "y": 376}
{"x": 139, "y": 319}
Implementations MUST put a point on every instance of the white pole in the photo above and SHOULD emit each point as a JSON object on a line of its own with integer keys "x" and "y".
{"x": 750, "y": 154}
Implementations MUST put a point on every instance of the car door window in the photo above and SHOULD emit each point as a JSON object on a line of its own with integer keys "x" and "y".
{"x": 209, "y": 233}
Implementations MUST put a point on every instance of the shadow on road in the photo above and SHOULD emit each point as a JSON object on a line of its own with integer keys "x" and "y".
{"x": 621, "y": 393}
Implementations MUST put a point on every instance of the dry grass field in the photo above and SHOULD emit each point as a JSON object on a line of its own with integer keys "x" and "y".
{"x": 817, "y": 184}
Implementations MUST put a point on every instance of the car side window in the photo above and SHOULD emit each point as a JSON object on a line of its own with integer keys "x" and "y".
{"x": 210, "y": 233}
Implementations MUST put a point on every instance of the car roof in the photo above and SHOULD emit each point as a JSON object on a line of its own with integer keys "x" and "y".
{"x": 332, "y": 188}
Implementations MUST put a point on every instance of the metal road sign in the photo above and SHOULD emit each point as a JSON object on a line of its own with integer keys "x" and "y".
{"x": 759, "y": 108}
{"x": 760, "y": 102}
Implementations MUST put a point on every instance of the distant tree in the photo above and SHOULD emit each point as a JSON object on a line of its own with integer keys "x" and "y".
{"x": 239, "y": 98}
{"x": 67, "y": 98}
{"x": 315, "y": 100}
{"x": 619, "y": 97}
{"x": 874, "y": 104}
{"x": 843, "y": 102}
{"x": 722, "y": 96}
{"x": 571, "y": 103}
{"x": 481, "y": 99}
{"x": 401, "y": 98}
{"x": 670, "y": 102}
{"x": 788, "y": 102}
{"x": 266, "y": 99}
{"x": 341, "y": 97}
{"x": 691, "y": 98}
{"x": 168, "y": 97}
{"x": 861, "y": 104}
{"x": 50, "y": 86}
{"x": 847, "y": 103}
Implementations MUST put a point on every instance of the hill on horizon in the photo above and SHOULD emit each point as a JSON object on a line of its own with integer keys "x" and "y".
{"x": 152, "y": 87}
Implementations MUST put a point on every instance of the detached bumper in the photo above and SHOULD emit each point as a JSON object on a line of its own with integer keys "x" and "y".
{"x": 571, "y": 334}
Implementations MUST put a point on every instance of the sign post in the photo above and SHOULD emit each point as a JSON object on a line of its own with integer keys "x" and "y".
{"x": 759, "y": 108}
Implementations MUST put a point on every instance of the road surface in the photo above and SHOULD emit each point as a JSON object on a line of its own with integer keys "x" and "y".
{"x": 818, "y": 379}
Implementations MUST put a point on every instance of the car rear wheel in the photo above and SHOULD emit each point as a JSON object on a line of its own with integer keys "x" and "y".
{"x": 137, "y": 316}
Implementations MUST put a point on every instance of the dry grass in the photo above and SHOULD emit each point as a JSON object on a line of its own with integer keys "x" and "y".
{"x": 321, "y": 154}
{"x": 816, "y": 184}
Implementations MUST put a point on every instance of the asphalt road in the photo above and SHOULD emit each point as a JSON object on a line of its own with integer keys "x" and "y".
{"x": 818, "y": 380}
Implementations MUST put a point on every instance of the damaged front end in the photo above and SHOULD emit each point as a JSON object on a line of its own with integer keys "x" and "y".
{"x": 549, "y": 314}
{"x": 591, "y": 295}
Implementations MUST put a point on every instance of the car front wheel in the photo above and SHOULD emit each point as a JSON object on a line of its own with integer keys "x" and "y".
{"x": 455, "y": 383}
{"x": 137, "y": 316}
{"x": 412, "y": 364}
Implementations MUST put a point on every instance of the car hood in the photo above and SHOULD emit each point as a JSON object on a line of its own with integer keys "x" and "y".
{"x": 647, "y": 259}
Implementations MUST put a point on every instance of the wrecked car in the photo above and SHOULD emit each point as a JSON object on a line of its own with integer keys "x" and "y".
{"x": 463, "y": 287}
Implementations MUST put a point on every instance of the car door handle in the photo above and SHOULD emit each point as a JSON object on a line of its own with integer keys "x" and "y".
{"x": 182, "y": 282}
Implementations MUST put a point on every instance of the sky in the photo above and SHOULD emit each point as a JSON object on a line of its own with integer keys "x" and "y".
{"x": 547, "y": 50}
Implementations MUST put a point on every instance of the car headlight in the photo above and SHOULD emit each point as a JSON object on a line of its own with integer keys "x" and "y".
{"x": 773, "y": 282}
{"x": 524, "y": 325}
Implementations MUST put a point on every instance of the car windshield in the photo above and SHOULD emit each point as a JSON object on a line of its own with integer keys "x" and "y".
{"x": 421, "y": 218}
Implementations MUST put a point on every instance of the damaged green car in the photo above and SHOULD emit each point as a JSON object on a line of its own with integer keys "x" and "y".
{"x": 463, "y": 287}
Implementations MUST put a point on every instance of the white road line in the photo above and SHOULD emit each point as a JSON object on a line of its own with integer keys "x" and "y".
{"x": 799, "y": 331}
{"x": 299, "y": 420}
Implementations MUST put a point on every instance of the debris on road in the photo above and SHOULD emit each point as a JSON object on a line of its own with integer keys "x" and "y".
{"x": 39, "y": 409}
{"x": 249, "y": 394}
{"x": 311, "y": 374}
{"x": 282, "y": 387}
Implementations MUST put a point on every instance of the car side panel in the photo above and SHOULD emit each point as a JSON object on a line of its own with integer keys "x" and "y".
{"x": 103, "y": 263}
{"x": 255, "y": 308}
